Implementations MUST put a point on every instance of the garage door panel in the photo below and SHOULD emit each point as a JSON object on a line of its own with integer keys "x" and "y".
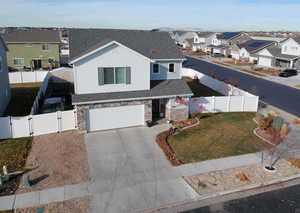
{"x": 265, "y": 61}
{"x": 116, "y": 117}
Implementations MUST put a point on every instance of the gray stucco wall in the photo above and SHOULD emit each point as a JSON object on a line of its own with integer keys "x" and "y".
{"x": 4, "y": 81}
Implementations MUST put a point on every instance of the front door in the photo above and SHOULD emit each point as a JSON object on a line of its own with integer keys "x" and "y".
{"x": 155, "y": 108}
{"x": 37, "y": 64}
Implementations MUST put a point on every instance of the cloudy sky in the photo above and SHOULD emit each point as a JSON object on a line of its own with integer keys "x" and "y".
{"x": 147, "y": 14}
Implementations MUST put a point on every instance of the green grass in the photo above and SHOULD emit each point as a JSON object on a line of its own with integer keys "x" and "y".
{"x": 200, "y": 90}
{"x": 217, "y": 136}
{"x": 22, "y": 98}
{"x": 14, "y": 153}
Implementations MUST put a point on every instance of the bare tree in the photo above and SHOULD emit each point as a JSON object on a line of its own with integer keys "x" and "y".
{"x": 286, "y": 147}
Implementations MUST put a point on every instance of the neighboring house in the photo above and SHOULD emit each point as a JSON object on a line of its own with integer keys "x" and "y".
{"x": 285, "y": 56}
{"x": 202, "y": 40}
{"x": 224, "y": 41}
{"x": 125, "y": 78}
{"x": 182, "y": 38}
{"x": 33, "y": 49}
{"x": 248, "y": 50}
{"x": 4, "y": 79}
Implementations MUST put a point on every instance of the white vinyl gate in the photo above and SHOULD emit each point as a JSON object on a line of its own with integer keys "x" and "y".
{"x": 115, "y": 117}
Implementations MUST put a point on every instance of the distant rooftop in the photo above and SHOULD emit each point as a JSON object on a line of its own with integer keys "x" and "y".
{"x": 228, "y": 35}
{"x": 32, "y": 36}
{"x": 255, "y": 45}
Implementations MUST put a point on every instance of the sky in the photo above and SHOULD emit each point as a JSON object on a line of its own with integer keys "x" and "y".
{"x": 219, "y": 15}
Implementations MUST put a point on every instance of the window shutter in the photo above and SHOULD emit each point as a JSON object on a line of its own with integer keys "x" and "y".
{"x": 128, "y": 75}
{"x": 100, "y": 76}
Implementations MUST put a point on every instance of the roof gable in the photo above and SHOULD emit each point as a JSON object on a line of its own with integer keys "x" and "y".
{"x": 153, "y": 45}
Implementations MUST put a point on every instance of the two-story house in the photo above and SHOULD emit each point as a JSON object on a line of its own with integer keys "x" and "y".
{"x": 125, "y": 78}
{"x": 4, "y": 79}
{"x": 225, "y": 41}
{"x": 249, "y": 49}
{"x": 286, "y": 55}
{"x": 202, "y": 40}
{"x": 33, "y": 49}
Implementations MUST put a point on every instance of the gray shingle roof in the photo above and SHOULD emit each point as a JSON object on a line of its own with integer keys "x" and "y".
{"x": 154, "y": 45}
{"x": 204, "y": 34}
{"x": 253, "y": 46}
{"x": 167, "y": 88}
{"x": 276, "y": 52}
{"x": 32, "y": 36}
{"x": 297, "y": 40}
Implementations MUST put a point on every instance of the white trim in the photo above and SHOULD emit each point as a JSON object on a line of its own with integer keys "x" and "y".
{"x": 156, "y": 73}
{"x": 171, "y": 59}
{"x": 104, "y": 46}
{"x": 114, "y": 70}
{"x": 133, "y": 99}
{"x": 15, "y": 58}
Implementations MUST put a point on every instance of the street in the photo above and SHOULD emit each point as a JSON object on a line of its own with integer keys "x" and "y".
{"x": 280, "y": 201}
{"x": 278, "y": 95}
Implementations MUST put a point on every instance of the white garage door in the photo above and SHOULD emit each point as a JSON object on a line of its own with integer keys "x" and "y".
{"x": 265, "y": 61}
{"x": 116, "y": 117}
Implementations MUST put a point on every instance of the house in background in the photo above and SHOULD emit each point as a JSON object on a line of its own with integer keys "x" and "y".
{"x": 249, "y": 49}
{"x": 125, "y": 78}
{"x": 224, "y": 41}
{"x": 33, "y": 49}
{"x": 286, "y": 55}
{"x": 4, "y": 79}
{"x": 184, "y": 38}
{"x": 202, "y": 40}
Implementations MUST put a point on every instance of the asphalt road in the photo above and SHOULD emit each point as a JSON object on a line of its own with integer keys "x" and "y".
{"x": 281, "y": 96}
{"x": 280, "y": 201}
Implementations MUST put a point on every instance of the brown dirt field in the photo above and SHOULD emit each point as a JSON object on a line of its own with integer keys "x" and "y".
{"x": 80, "y": 205}
{"x": 57, "y": 160}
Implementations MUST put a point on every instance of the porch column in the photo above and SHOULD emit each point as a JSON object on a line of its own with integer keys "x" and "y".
{"x": 291, "y": 64}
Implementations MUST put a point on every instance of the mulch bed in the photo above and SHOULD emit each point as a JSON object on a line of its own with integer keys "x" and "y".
{"x": 162, "y": 139}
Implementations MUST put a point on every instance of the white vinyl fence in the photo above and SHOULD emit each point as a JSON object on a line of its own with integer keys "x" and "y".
{"x": 41, "y": 93}
{"x": 235, "y": 99}
{"x": 27, "y": 77}
{"x": 33, "y": 125}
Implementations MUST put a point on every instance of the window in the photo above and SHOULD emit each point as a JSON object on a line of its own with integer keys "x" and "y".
{"x": 28, "y": 45}
{"x": 45, "y": 46}
{"x": 18, "y": 61}
{"x": 1, "y": 64}
{"x": 155, "y": 68}
{"x": 171, "y": 68}
{"x": 114, "y": 75}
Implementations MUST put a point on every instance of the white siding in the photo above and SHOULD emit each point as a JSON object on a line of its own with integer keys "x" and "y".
{"x": 265, "y": 52}
{"x": 264, "y": 61}
{"x": 164, "y": 70}
{"x": 244, "y": 53}
{"x": 4, "y": 81}
{"x": 290, "y": 47}
{"x": 86, "y": 70}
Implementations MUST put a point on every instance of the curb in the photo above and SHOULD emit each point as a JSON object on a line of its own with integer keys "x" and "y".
{"x": 227, "y": 192}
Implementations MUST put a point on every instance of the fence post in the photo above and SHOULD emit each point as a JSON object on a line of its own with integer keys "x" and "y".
{"x": 75, "y": 118}
{"x": 228, "y": 103}
{"x": 214, "y": 104}
{"x": 30, "y": 124}
{"x": 243, "y": 103}
{"x": 59, "y": 120}
{"x": 11, "y": 128}
{"x": 35, "y": 77}
{"x": 21, "y": 77}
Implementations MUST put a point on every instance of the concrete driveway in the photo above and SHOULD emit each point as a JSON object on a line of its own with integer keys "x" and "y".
{"x": 130, "y": 172}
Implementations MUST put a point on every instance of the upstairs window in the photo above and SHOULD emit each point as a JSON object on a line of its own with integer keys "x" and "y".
{"x": 114, "y": 75}
{"x": 156, "y": 68}
{"x": 171, "y": 68}
{"x": 18, "y": 61}
{"x": 45, "y": 47}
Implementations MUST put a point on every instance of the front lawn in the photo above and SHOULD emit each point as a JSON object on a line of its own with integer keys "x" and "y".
{"x": 217, "y": 135}
{"x": 14, "y": 153}
{"x": 200, "y": 90}
{"x": 22, "y": 98}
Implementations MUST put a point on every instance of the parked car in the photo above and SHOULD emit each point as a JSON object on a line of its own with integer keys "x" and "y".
{"x": 288, "y": 73}
{"x": 217, "y": 55}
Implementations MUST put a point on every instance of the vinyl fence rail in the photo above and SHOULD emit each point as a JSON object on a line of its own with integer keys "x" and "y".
{"x": 235, "y": 99}
{"x": 33, "y": 125}
{"x": 26, "y": 77}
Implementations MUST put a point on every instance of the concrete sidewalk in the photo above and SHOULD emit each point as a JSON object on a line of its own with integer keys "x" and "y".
{"x": 219, "y": 164}
{"x": 43, "y": 197}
